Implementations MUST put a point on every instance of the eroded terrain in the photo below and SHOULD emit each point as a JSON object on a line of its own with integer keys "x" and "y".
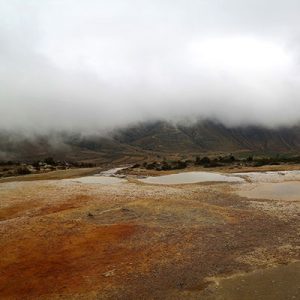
{"x": 74, "y": 239}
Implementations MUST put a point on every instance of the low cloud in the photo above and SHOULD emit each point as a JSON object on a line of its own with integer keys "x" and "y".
{"x": 94, "y": 66}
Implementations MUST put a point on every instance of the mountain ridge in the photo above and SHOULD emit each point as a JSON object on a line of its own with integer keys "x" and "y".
{"x": 142, "y": 139}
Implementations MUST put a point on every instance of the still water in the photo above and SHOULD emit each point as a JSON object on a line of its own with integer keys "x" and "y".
{"x": 99, "y": 180}
{"x": 289, "y": 190}
{"x": 191, "y": 177}
{"x": 277, "y": 283}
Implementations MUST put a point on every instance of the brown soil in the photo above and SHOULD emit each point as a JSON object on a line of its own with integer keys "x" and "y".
{"x": 62, "y": 239}
{"x": 54, "y": 175}
{"x": 61, "y": 258}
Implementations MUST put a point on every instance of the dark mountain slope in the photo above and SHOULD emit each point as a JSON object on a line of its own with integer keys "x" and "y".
{"x": 142, "y": 140}
{"x": 158, "y": 136}
{"x": 209, "y": 136}
{"x": 216, "y": 137}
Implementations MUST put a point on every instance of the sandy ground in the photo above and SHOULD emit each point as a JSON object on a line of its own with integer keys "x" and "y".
{"x": 60, "y": 174}
{"x": 71, "y": 240}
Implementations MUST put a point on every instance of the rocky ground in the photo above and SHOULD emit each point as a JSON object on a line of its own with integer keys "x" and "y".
{"x": 70, "y": 240}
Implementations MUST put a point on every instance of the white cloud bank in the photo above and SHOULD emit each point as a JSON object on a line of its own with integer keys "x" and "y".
{"x": 83, "y": 65}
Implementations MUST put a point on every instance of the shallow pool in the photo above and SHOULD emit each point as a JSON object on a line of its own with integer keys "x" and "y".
{"x": 191, "y": 177}
{"x": 112, "y": 172}
{"x": 288, "y": 190}
{"x": 274, "y": 176}
{"x": 99, "y": 180}
{"x": 277, "y": 283}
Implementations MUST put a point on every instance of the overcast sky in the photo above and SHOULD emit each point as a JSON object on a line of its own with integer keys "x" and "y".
{"x": 81, "y": 65}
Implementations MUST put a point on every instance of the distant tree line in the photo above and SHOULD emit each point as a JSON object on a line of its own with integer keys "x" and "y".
{"x": 219, "y": 161}
{"x": 10, "y": 168}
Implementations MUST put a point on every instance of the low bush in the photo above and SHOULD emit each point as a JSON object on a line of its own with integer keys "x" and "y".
{"x": 22, "y": 171}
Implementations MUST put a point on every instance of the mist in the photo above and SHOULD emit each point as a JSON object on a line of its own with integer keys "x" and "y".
{"x": 93, "y": 66}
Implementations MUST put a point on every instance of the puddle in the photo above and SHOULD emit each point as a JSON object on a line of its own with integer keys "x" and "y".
{"x": 274, "y": 191}
{"x": 112, "y": 172}
{"x": 106, "y": 177}
{"x": 277, "y": 283}
{"x": 275, "y": 176}
{"x": 98, "y": 180}
{"x": 191, "y": 177}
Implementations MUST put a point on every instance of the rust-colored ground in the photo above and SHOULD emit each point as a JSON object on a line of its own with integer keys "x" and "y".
{"x": 62, "y": 258}
{"x": 66, "y": 240}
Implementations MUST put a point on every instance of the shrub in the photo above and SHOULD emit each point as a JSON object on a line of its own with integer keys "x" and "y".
{"x": 212, "y": 164}
{"x": 198, "y": 160}
{"x": 204, "y": 160}
{"x": 23, "y": 171}
{"x": 250, "y": 158}
{"x": 181, "y": 164}
{"x": 50, "y": 161}
{"x": 151, "y": 166}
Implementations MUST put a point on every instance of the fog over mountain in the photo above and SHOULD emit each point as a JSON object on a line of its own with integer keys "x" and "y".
{"x": 98, "y": 65}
